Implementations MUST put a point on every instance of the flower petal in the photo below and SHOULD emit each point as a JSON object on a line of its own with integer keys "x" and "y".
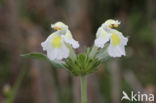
{"x": 58, "y": 53}
{"x": 45, "y": 45}
{"x": 69, "y": 39}
{"x": 117, "y": 50}
{"x": 102, "y": 37}
{"x": 52, "y": 52}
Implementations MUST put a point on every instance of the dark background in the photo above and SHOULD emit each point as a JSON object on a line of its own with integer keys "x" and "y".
{"x": 24, "y": 24}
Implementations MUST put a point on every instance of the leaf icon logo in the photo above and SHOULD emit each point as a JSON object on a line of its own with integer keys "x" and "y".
{"x": 125, "y": 96}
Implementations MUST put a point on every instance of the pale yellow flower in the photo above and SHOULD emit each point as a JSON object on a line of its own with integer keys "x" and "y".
{"x": 56, "y": 43}
{"x": 107, "y": 33}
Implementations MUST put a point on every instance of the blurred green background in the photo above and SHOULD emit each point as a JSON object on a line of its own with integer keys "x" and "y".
{"x": 24, "y": 24}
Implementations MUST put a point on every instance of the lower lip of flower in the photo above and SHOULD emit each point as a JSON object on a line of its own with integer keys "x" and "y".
{"x": 56, "y": 42}
{"x": 115, "y": 39}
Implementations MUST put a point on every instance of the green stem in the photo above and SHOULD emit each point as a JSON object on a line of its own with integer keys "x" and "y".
{"x": 83, "y": 89}
{"x": 15, "y": 88}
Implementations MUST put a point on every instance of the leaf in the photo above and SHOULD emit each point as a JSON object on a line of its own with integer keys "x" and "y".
{"x": 40, "y": 56}
{"x": 35, "y": 55}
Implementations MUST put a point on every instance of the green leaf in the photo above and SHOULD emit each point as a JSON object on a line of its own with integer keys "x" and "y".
{"x": 40, "y": 56}
{"x": 35, "y": 55}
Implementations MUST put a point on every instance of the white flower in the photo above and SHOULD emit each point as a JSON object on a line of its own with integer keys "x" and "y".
{"x": 56, "y": 43}
{"x": 67, "y": 36}
{"x": 106, "y": 33}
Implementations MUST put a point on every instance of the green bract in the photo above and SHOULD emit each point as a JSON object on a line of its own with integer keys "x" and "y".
{"x": 102, "y": 54}
{"x": 82, "y": 65}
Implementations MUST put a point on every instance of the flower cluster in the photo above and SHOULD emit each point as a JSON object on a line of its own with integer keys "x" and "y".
{"x": 60, "y": 44}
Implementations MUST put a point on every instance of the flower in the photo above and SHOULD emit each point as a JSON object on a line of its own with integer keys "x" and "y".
{"x": 106, "y": 33}
{"x": 67, "y": 36}
{"x": 57, "y": 44}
